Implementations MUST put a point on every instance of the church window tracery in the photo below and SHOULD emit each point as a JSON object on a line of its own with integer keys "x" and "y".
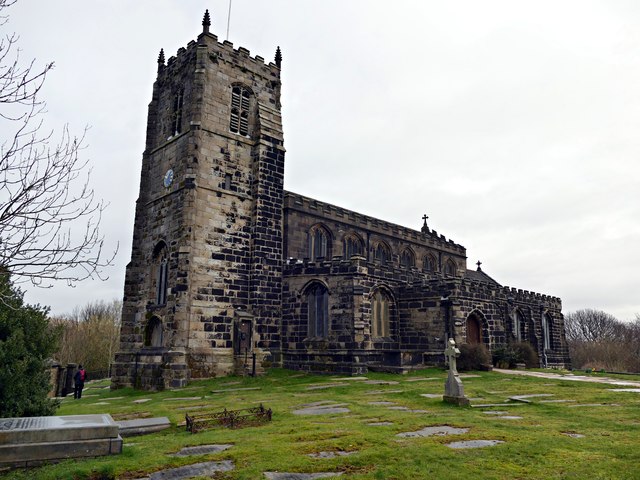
{"x": 318, "y": 242}
{"x": 429, "y": 264}
{"x": 382, "y": 253}
{"x": 407, "y": 259}
{"x": 176, "y": 116}
{"x": 352, "y": 246}
{"x": 449, "y": 268}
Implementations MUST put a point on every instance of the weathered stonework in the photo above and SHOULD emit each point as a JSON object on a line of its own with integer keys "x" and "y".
{"x": 223, "y": 259}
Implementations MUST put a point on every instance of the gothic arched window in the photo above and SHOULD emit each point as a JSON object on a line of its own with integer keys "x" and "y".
{"x": 449, "y": 268}
{"x": 381, "y": 253}
{"x": 518, "y": 322}
{"x": 240, "y": 103}
{"x": 429, "y": 263}
{"x": 318, "y": 243}
{"x": 352, "y": 246}
{"x": 407, "y": 259}
{"x": 176, "y": 115}
{"x": 380, "y": 314}
{"x": 318, "y": 310}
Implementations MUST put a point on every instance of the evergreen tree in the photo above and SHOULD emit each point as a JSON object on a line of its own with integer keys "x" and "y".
{"x": 26, "y": 342}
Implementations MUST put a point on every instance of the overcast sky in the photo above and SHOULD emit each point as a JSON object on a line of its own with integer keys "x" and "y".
{"x": 513, "y": 125}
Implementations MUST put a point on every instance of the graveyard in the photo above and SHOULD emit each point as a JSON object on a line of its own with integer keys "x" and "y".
{"x": 378, "y": 426}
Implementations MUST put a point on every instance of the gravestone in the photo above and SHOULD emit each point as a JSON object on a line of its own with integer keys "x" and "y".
{"x": 142, "y": 426}
{"x": 453, "y": 389}
{"x": 32, "y": 441}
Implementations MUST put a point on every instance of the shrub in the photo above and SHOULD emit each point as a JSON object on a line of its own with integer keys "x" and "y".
{"x": 473, "y": 357}
{"x": 509, "y": 355}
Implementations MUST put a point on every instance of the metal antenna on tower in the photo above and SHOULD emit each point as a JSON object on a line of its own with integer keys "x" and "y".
{"x": 229, "y": 19}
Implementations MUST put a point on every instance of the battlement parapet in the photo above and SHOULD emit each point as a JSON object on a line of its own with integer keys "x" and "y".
{"x": 430, "y": 238}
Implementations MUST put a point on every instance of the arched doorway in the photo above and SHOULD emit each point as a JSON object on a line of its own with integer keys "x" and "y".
{"x": 474, "y": 329}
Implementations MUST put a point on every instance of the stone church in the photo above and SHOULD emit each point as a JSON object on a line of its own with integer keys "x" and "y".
{"x": 230, "y": 273}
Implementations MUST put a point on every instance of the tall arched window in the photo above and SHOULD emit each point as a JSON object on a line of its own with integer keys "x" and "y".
{"x": 449, "y": 268}
{"x": 153, "y": 333}
{"x": 407, "y": 259}
{"x": 429, "y": 263}
{"x": 318, "y": 243}
{"x": 352, "y": 245}
{"x": 240, "y": 105}
{"x": 161, "y": 274}
{"x": 518, "y": 323}
{"x": 380, "y": 314}
{"x": 381, "y": 253}
{"x": 547, "y": 332}
{"x": 318, "y": 310}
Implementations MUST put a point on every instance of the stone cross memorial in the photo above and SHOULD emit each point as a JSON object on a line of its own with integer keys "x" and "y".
{"x": 453, "y": 389}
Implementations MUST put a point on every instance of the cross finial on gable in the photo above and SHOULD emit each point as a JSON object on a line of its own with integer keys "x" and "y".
{"x": 425, "y": 229}
{"x": 478, "y": 263}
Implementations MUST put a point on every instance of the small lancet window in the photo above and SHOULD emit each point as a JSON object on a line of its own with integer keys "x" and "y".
{"x": 176, "y": 116}
{"x": 240, "y": 103}
{"x": 547, "y": 332}
{"x": 518, "y": 321}
{"x": 161, "y": 275}
{"x": 227, "y": 181}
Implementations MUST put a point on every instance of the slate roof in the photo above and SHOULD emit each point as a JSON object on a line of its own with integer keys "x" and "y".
{"x": 480, "y": 276}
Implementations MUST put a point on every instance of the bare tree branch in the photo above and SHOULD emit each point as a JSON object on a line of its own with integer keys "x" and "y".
{"x": 49, "y": 215}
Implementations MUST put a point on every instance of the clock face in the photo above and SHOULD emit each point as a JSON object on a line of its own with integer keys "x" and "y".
{"x": 168, "y": 178}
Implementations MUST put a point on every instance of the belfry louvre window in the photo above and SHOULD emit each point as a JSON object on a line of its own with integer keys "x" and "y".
{"x": 380, "y": 314}
{"x": 318, "y": 311}
{"x": 240, "y": 110}
{"x": 176, "y": 124}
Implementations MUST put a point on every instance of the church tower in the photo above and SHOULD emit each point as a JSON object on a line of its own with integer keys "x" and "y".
{"x": 203, "y": 289}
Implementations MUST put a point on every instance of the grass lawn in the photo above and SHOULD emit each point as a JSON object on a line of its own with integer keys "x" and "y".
{"x": 536, "y": 446}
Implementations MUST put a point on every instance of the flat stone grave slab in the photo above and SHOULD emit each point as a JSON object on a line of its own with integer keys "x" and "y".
{"x": 195, "y": 470}
{"x": 347, "y": 379}
{"x": 594, "y": 405}
{"x": 469, "y": 375}
{"x": 527, "y": 398}
{"x": 510, "y": 417}
{"x": 330, "y": 454}
{"x": 380, "y": 392}
{"x": 201, "y": 450}
{"x": 556, "y": 401}
{"x": 142, "y": 400}
{"x": 431, "y": 395}
{"x": 633, "y": 390}
{"x": 436, "y": 431}
{"x": 381, "y": 403}
{"x": 573, "y": 434}
{"x": 325, "y": 385}
{"x": 497, "y": 412}
{"x": 241, "y": 389}
{"x": 101, "y": 403}
{"x": 27, "y": 441}
{"x": 117, "y": 417}
{"x": 422, "y": 379}
{"x": 182, "y": 399}
{"x": 492, "y": 405}
{"x": 324, "y": 409}
{"x": 142, "y": 426}
{"x": 299, "y": 476}
{"x": 474, "y": 444}
{"x": 379, "y": 424}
